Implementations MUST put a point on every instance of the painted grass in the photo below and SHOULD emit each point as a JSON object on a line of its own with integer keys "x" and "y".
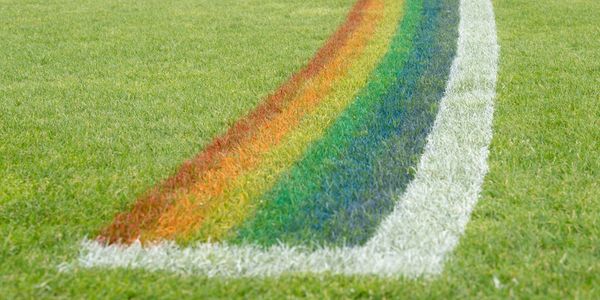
{"x": 243, "y": 198}
{"x": 145, "y": 213}
{"x": 349, "y": 199}
{"x": 535, "y": 230}
{"x": 303, "y": 178}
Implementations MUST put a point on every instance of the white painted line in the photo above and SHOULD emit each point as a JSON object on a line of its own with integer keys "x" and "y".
{"x": 415, "y": 239}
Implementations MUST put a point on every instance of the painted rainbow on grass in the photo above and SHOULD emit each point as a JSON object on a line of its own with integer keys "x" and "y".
{"x": 368, "y": 160}
{"x": 317, "y": 161}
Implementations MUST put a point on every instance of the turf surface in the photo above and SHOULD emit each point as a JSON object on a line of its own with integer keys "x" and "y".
{"x": 87, "y": 124}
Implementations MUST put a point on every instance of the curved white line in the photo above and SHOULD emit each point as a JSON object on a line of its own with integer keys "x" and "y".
{"x": 430, "y": 216}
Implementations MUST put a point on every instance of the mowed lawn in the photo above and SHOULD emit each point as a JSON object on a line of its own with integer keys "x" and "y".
{"x": 99, "y": 100}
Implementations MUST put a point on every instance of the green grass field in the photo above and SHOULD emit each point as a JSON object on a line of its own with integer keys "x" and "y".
{"x": 100, "y": 100}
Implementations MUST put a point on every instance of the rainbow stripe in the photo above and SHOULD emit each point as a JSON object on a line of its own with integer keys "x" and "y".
{"x": 317, "y": 163}
{"x": 428, "y": 216}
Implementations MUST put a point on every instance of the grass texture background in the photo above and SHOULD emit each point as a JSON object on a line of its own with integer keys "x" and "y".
{"x": 87, "y": 124}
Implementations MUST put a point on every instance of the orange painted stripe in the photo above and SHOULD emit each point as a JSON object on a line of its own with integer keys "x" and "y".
{"x": 127, "y": 226}
{"x": 186, "y": 216}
